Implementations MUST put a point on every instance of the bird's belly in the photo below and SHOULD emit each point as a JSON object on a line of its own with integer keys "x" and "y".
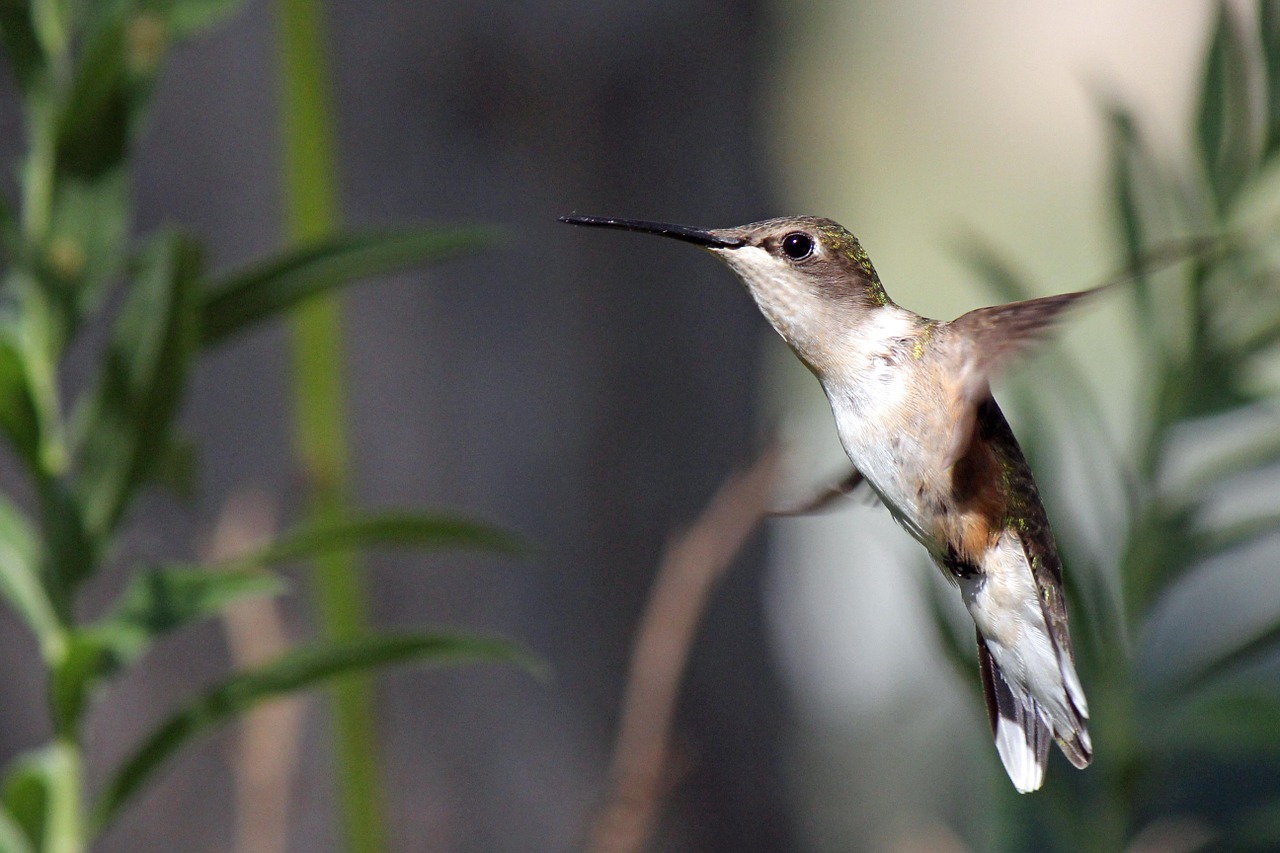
{"x": 899, "y": 453}
{"x": 892, "y": 464}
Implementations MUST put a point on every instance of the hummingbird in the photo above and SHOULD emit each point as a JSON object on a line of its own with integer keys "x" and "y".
{"x": 914, "y": 412}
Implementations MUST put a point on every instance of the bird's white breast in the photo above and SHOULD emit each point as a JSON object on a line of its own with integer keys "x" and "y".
{"x": 877, "y": 402}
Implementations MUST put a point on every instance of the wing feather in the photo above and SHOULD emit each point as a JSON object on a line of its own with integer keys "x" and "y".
{"x": 990, "y": 338}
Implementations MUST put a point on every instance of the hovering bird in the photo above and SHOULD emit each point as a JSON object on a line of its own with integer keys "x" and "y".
{"x": 915, "y": 415}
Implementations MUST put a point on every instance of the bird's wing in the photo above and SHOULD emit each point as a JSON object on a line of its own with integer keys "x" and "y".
{"x": 989, "y": 337}
{"x": 852, "y": 485}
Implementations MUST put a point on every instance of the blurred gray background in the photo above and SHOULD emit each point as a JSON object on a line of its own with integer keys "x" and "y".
{"x": 585, "y": 391}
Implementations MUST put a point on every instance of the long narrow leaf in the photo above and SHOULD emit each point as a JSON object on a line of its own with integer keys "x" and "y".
{"x": 96, "y": 121}
{"x": 19, "y": 418}
{"x": 163, "y": 599}
{"x": 20, "y": 579}
{"x": 89, "y": 229}
{"x": 26, "y": 795}
{"x": 22, "y": 47}
{"x": 72, "y": 552}
{"x": 186, "y": 18}
{"x": 1237, "y": 460}
{"x": 1269, "y": 20}
{"x": 961, "y": 654}
{"x": 298, "y": 670}
{"x": 1240, "y": 722}
{"x": 12, "y": 838}
{"x": 397, "y": 529}
{"x": 156, "y": 602}
{"x": 142, "y": 383}
{"x": 39, "y": 788}
{"x": 1236, "y": 534}
{"x": 1256, "y": 648}
{"x": 74, "y": 678}
{"x": 1225, "y": 125}
{"x": 1127, "y": 156}
{"x": 267, "y": 289}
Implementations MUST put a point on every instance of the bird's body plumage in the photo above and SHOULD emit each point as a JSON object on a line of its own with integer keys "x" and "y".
{"x": 915, "y": 415}
{"x": 980, "y": 519}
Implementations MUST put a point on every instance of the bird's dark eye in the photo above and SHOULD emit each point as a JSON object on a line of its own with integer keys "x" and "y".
{"x": 797, "y": 246}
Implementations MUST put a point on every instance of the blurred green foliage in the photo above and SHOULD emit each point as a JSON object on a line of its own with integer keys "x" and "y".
{"x": 84, "y": 71}
{"x": 1187, "y": 744}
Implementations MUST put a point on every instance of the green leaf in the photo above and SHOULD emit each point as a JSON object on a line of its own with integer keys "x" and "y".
{"x": 12, "y": 837}
{"x": 177, "y": 467}
{"x": 122, "y": 50}
{"x": 71, "y": 551}
{"x": 1241, "y": 722}
{"x": 20, "y": 580}
{"x": 1237, "y": 534}
{"x": 94, "y": 126}
{"x": 38, "y": 335}
{"x": 298, "y": 670}
{"x": 1226, "y": 128}
{"x": 39, "y": 788}
{"x": 1160, "y": 548}
{"x": 1222, "y": 466}
{"x": 1256, "y": 828}
{"x": 88, "y": 233}
{"x": 1269, "y": 24}
{"x": 1130, "y": 162}
{"x": 26, "y": 795}
{"x": 186, "y": 18}
{"x": 959, "y": 652}
{"x": 269, "y": 288}
{"x": 1260, "y": 645}
{"x": 1209, "y": 384}
{"x": 162, "y": 599}
{"x": 74, "y": 677}
{"x": 142, "y": 383}
{"x": 21, "y": 45}
{"x": 396, "y": 529}
{"x": 155, "y": 602}
{"x": 19, "y": 417}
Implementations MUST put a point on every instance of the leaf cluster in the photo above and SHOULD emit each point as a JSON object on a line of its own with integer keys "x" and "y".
{"x": 84, "y": 71}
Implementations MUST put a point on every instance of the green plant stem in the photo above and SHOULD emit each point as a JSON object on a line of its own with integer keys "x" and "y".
{"x": 65, "y": 828}
{"x": 64, "y": 824}
{"x": 311, "y": 208}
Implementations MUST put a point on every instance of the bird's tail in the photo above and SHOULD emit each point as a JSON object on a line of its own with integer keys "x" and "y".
{"x": 1023, "y": 727}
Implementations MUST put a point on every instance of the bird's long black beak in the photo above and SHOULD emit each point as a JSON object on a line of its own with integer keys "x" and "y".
{"x": 697, "y": 236}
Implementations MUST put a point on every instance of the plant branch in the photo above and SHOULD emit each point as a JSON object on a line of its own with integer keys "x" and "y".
{"x": 694, "y": 561}
{"x": 266, "y": 752}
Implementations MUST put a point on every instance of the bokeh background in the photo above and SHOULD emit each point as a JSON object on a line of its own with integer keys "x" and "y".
{"x": 590, "y": 390}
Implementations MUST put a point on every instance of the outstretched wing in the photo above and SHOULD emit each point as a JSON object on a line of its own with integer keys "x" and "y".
{"x": 989, "y": 338}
